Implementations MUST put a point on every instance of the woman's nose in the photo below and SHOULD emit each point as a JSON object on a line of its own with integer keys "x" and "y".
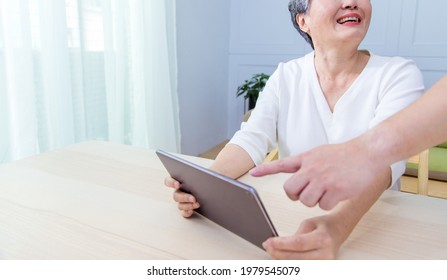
{"x": 350, "y": 4}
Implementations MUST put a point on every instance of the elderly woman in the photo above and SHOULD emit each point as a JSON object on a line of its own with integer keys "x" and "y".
{"x": 331, "y": 95}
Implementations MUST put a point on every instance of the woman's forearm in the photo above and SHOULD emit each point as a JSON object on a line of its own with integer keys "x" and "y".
{"x": 232, "y": 161}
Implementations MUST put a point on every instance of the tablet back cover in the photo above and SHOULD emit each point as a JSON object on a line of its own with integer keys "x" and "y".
{"x": 225, "y": 201}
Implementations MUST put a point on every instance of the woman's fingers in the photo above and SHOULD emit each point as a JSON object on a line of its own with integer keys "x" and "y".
{"x": 187, "y": 213}
{"x": 187, "y": 203}
{"x": 172, "y": 183}
{"x": 182, "y": 197}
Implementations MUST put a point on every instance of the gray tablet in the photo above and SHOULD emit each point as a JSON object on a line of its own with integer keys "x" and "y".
{"x": 225, "y": 201}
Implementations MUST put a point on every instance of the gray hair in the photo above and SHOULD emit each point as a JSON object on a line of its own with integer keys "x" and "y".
{"x": 299, "y": 7}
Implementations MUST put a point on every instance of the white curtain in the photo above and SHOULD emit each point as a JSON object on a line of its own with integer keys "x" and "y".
{"x": 76, "y": 70}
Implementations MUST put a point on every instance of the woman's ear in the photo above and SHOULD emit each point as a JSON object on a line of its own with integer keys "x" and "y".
{"x": 301, "y": 21}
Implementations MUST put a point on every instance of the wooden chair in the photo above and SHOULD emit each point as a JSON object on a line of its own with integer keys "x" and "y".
{"x": 273, "y": 155}
{"x": 421, "y": 160}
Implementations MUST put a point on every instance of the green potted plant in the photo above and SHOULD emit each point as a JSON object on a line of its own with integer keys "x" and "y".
{"x": 250, "y": 89}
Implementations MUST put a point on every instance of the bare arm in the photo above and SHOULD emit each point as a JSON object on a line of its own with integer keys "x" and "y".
{"x": 232, "y": 161}
{"x": 420, "y": 126}
{"x": 332, "y": 173}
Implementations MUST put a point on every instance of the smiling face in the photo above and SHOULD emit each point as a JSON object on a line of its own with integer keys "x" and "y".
{"x": 336, "y": 23}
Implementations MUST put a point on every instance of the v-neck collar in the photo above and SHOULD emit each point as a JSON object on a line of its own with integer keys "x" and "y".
{"x": 322, "y": 104}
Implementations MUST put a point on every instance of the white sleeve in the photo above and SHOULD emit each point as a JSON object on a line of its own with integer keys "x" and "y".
{"x": 258, "y": 136}
{"x": 401, "y": 85}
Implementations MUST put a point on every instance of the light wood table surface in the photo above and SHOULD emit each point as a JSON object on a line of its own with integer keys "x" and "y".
{"x": 98, "y": 200}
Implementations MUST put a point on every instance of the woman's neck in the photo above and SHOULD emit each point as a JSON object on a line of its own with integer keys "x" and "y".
{"x": 336, "y": 71}
{"x": 334, "y": 64}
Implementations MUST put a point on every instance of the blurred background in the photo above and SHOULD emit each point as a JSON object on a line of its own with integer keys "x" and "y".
{"x": 164, "y": 73}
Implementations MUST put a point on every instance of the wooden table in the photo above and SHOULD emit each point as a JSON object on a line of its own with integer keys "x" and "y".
{"x": 98, "y": 200}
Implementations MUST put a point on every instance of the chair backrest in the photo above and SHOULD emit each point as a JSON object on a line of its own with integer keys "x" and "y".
{"x": 421, "y": 160}
{"x": 273, "y": 155}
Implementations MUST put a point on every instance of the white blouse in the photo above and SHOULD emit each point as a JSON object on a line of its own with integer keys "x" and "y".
{"x": 293, "y": 112}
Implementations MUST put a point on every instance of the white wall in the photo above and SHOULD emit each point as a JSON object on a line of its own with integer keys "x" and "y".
{"x": 221, "y": 43}
{"x": 202, "y": 43}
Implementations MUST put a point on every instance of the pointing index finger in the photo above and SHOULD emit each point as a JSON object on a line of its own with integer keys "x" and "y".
{"x": 287, "y": 165}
